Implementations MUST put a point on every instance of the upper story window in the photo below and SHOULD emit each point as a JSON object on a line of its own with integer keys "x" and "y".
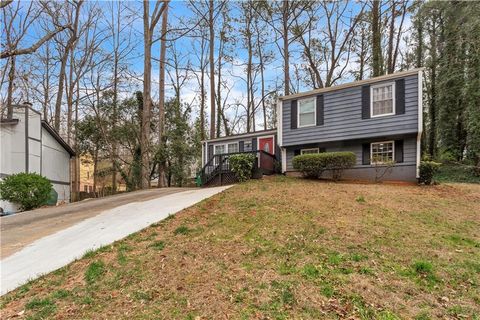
{"x": 382, "y": 102}
{"x": 306, "y": 112}
{"x": 382, "y": 152}
{"x": 309, "y": 150}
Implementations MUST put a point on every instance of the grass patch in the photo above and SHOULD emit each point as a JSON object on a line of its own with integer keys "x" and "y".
{"x": 182, "y": 230}
{"x": 158, "y": 245}
{"x": 41, "y": 308}
{"x": 94, "y": 272}
{"x": 282, "y": 248}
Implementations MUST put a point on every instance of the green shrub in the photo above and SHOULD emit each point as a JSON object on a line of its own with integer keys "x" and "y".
{"x": 313, "y": 165}
{"x": 242, "y": 165}
{"x": 427, "y": 171}
{"x": 29, "y": 190}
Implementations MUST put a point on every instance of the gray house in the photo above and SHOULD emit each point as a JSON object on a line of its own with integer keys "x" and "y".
{"x": 379, "y": 119}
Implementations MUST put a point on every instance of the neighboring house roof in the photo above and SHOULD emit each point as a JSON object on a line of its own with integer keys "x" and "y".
{"x": 353, "y": 84}
{"x": 243, "y": 135}
{"x": 57, "y": 137}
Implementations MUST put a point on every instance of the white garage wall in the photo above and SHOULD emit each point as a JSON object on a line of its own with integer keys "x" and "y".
{"x": 56, "y": 165}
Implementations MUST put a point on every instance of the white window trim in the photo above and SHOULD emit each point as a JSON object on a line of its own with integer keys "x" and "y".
{"x": 393, "y": 99}
{"x": 378, "y": 142}
{"x": 309, "y": 149}
{"x": 314, "y": 113}
{"x": 225, "y": 145}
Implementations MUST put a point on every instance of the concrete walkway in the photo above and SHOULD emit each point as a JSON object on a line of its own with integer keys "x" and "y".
{"x": 19, "y": 230}
{"x": 62, "y": 247}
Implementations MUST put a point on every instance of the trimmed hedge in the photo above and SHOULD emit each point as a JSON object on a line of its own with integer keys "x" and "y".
{"x": 242, "y": 165}
{"x": 29, "y": 190}
{"x": 427, "y": 171}
{"x": 313, "y": 165}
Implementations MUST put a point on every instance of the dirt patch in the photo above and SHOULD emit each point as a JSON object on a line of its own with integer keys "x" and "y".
{"x": 282, "y": 248}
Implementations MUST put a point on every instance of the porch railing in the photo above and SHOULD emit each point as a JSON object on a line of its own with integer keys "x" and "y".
{"x": 219, "y": 164}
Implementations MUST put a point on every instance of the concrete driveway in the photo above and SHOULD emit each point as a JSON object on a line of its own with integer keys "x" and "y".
{"x": 41, "y": 241}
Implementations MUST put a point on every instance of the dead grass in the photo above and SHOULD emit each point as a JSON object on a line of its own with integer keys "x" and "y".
{"x": 282, "y": 248}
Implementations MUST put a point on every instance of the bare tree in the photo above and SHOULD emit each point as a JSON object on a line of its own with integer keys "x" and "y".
{"x": 72, "y": 17}
{"x": 398, "y": 9}
{"x": 161, "y": 96}
{"x": 332, "y": 51}
{"x": 149, "y": 24}
{"x": 17, "y": 23}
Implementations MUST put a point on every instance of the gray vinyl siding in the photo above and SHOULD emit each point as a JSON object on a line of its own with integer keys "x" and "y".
{"x": 343, "y": 118}
{"x": 409, "y": 150}
{"x": 237, "y": 139}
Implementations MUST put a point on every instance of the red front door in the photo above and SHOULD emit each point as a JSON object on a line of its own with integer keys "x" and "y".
{"x": 266, "y": 144}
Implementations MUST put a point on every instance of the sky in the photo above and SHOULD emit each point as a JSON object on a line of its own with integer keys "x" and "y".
{"x": 181, "y": 14}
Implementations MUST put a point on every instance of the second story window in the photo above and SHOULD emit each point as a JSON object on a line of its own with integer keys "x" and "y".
{"x": 306, "y": 112}
{"x": 382, "y": 100}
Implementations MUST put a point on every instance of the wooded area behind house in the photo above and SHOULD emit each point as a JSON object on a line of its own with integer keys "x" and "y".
{"x": 139, "y": 85}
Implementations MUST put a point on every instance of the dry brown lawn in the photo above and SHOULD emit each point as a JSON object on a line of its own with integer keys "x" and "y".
{"x": 282, "y": 248}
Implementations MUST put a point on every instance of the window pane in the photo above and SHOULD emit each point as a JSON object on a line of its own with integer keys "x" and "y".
{"x": 382, "y": 152}
{"x": 219, "y": 149}
{"x": 307, "y": 119}
{"x": 307, "y": 106}
{"x": 382, "y": 100}
{"x": 309, "y": 151}
{"x": 247, "y": 146}
{"x": 232, "y": 147}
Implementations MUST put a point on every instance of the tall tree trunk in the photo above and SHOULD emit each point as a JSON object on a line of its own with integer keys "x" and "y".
{"x": 70, "y": 88}
{"x": 390, "y": 63}
{"x": 11, "y": 79}
{"x": 63, "y": 66}
{"x": 432, "y": 108}
{"x": 376, "y": 39}
{"x": 212, "y": 70}
{"x": 147, "y": 100}
{"x": 161, "y": 101}
{"x": 286, "y": 52}
{"x": 262, "y": 84}
{"x": 46, "y": 89}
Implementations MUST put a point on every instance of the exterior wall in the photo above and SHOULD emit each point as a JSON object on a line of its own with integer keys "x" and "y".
{"x": 12, "y": 145}
{"x": 237, "y": 139}
{"x": 402, "y": 171}
{"x": 56, "y": 165}
{"x": 343, "y": 117}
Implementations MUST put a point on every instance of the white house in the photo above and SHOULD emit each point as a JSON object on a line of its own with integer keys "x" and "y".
{"x": 29, "y": 144}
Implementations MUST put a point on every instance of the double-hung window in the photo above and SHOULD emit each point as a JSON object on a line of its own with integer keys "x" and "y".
{"x": 382, "y": 100}
{"x": 306, "y": 112}
{"x": 382, "y": 152}
{"x": 232, "y": 147}
{"x": 309, "y": 151}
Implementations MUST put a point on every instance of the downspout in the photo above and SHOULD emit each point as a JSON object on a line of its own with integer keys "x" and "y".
{"x": 420, "y": 121}
{"x": 283, "y": 152}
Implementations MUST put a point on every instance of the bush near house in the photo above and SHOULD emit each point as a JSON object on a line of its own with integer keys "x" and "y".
{"x": 242, "y": 165}
{"x": 427, "y": 171}
{"x": 313, "y": 165}
{"x": 29, "y": 190}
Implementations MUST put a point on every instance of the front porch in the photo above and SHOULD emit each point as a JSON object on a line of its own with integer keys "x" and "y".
{"x": 217, "y": 171}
